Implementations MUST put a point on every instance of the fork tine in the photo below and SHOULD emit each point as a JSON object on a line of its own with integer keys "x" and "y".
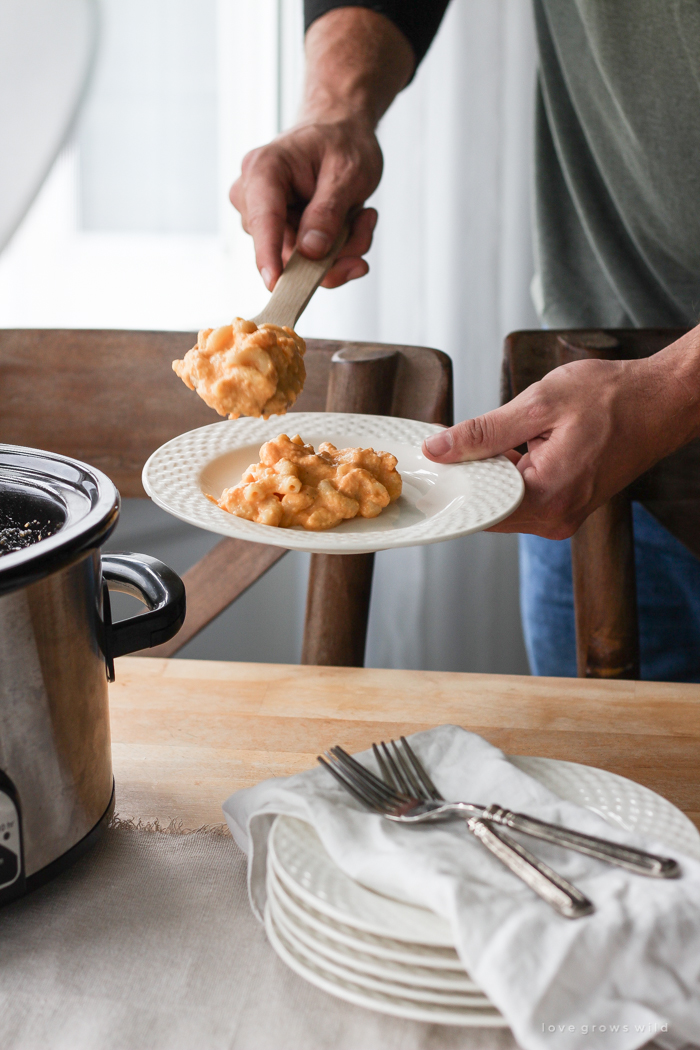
{"x": 384, "y": 768}
{"x": 396, "y": 770}
{"x": 421, "y": 771}
{"x": 416, "y": 786}
{"x": 383, "y": 801}
{"x": 351, "y": 764}
{"x": 349, "y": 787}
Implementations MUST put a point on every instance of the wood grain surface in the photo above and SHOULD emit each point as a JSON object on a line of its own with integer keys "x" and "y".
{"x": 605, "y": 593}
{"x": 214, "y": 582}
{"x": 187, "y": 733}
{"x": 362, "y": 379}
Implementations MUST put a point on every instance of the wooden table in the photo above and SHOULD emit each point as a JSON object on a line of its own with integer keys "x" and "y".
{"x": 186, "y": 733}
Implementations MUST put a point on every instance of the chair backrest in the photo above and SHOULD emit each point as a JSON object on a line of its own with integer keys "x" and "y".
{"x": 602, "y": 549}
{"x": 110, "y": 398}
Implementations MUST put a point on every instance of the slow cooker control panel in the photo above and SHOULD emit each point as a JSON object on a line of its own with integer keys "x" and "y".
{"x": 11, "y": 873}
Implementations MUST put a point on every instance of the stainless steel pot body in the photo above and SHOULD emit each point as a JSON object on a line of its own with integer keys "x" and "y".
{"x": 57, "y": 650}
{"x": 54, "y": 716}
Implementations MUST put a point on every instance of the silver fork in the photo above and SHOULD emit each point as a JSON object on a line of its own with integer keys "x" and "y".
{"x": 408, "y": 807}
{"x": 410, "y": 776}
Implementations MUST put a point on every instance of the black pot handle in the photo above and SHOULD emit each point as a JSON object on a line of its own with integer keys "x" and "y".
{"x": 158, "y": 587}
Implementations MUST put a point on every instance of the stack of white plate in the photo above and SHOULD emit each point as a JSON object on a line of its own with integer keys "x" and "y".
{"x": 358, "y": 945}
{"x": 400, "y": 959}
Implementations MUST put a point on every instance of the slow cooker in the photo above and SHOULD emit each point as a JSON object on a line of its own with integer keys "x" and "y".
{"x": 57, "y": 651}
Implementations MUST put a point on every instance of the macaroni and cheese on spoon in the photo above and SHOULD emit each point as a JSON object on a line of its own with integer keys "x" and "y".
{"x": 256, "y": 368}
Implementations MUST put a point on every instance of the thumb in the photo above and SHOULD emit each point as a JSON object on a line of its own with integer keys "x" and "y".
{"x": 325, "y": 213}
{"x": 489, "y": 435}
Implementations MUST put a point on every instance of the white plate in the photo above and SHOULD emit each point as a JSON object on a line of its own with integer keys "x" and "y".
{"x": 373, "y": 999}
{"x": 362, "y": 962}
{"x": 417, "y": 992}
{"x": 620, "y": 801}
{"x": 381, "y": 948}
{"x": 305, "y": 868}
{"x": 300, "y": 861}
{"x": 438, "y": 502}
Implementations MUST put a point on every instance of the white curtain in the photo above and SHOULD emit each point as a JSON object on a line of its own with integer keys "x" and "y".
{"x": 451, "y": 268}
{"x": 43, "y": 77}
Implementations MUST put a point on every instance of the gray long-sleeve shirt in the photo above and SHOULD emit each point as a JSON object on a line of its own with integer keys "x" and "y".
{"x": 617, "y": 155}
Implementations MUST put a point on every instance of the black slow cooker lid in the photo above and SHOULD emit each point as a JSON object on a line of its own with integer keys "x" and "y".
{"x": 63, "y": 506}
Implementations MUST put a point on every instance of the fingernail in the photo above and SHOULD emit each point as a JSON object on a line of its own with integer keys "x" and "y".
{"x": 439, "y": 444}
{"x": 357, "y": 271}
{"x": 266, "y": 276}
{"x": 315, "y": 241}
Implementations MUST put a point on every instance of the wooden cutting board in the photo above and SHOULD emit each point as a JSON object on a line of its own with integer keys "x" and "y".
{"x": 186, "y": 733}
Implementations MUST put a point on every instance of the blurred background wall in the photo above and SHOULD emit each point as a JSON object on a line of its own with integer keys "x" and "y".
{"x": 133, "y": 229}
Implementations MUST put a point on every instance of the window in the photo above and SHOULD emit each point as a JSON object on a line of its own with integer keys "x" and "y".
{"x": 133, "y": 227}
{"x": 147, "y": 146}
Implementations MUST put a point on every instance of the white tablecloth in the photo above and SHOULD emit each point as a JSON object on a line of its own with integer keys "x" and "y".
{"x": 148, "y": 943}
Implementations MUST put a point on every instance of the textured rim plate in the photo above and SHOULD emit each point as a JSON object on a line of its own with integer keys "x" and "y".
{"x": 301, "y": 863}
{"x": 439, "y": 501}
{"x": 381, "y": 948}
{"x": 305, "y": 868}
{"x": 443, "y": 996}
{"x": 362, "y": 962}
{"x": 621, "y": 802}
{"x": 315, "y": 974}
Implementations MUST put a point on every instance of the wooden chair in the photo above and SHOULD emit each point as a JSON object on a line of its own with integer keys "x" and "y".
{"x": 110, "y": 398}
{"x": 602, "y": 550}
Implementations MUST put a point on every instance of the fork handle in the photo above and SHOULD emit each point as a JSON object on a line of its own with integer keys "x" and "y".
{"x": 628, "y": 857}
{"x": 563, "y": 896}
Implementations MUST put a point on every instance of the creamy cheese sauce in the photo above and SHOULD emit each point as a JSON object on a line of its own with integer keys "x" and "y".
{"x": 294, "y": 485}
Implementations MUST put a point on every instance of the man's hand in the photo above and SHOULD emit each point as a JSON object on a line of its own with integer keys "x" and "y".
{"x": 591, "y": 428}
{"x": 298, "y": 189}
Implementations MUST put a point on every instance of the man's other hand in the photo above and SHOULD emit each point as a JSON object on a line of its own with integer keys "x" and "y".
{"x": 591, "y": 428}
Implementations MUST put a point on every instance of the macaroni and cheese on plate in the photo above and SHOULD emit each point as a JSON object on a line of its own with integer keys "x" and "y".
{"x": 293, "y": 485}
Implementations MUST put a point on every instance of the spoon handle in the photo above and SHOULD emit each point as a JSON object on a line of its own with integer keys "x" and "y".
{"x": 298, "y": 282}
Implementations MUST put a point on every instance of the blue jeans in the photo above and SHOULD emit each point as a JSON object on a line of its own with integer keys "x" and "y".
{"x": 668, "y": 603}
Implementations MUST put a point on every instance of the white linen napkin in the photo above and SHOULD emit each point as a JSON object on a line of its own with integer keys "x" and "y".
{"x": 628, "y": 973}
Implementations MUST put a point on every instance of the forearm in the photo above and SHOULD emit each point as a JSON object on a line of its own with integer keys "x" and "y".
{"x": 357, "y": 61}
{"x": 297, "y": 191}
{"x": 676, "y": 374}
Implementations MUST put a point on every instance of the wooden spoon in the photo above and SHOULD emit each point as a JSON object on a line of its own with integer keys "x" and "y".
{"x": 298, "y": 282}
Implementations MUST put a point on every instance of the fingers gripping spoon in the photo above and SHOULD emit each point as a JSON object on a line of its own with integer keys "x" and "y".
{"x": 298, "y": 282}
